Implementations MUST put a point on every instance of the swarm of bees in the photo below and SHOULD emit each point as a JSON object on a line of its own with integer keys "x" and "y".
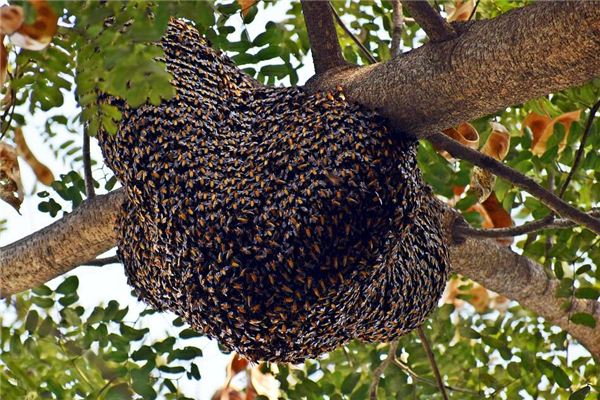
{"x": 280, "y": 222}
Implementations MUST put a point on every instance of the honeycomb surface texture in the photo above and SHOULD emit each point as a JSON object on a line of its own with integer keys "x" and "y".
{"x": 280, "y": 222}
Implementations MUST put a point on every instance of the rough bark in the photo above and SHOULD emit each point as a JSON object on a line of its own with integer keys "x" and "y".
{"x": 435, "y": 26}
{"x": 492, "y": 64}
{"x": 69, "y": 242}
{"x": 325, "y": 46}
{"x": 522, "y": 279}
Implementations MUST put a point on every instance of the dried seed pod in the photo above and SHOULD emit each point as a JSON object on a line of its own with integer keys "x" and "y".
{"x": 296, "y": 223}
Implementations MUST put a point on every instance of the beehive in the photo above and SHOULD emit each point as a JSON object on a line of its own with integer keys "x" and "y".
{"x": 280, "y": 222}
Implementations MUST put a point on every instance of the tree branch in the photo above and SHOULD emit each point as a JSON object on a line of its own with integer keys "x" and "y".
{"x": 391, "y": 355}
{"x": 87, "y": 166}
{"x": 546, "y": 197}
{"x": 435, "y": 26}
{"x": 361, "y": 46}
{"x": 69, "y": 242}
{"x": 519, "y": 278}
{"x": 482, "y": 70}
{"x": 397, "y": 26}
{"x": 325, "y": 46}
{"x": 541, "y": 224}
{"x": 434, "y": 366}
{"x": 580, "y": 150}
{"x": 101, "y": 262}
{"x": 416, "y": 377}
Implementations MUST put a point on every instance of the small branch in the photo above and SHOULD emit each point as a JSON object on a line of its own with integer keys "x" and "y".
{"x": 541, "y": 224}
{"x": 474, "y": 10}
{"x": 546, "y": 197}
{"x": 416, "y": 377}
{"x": 324, "y": 43}
{"x": 580, "y": 150}
{"x": 397, "y": 25}
{"x": 100, "y": 262}
{"x": 431, "y": 357}
{"x": 87, "y": 166}
{"x": 361, "y": 46}
{"x": 434, "y": 25}
{"x": 391, "y": 355}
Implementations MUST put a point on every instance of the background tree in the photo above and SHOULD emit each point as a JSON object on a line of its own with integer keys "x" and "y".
{"x": 523, "y": 69}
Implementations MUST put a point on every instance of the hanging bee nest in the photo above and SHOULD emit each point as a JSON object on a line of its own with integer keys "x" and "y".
{"x": 282, "y": 223}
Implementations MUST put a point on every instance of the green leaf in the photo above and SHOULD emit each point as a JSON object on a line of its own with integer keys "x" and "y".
{"x": 350, "y": 382}
{"x": 514, "y": 370}
{"x": 187, "y": 353}
{"x": 189, "y": 333}
{"x": 580, "y": 394}
{"x": 42, "y": 290}
{"x": 133, "y": 334}
{"x": 32, "y": 321}
{"x": 171, "y": 370}
{"x": 143, "y": 353}
{"x": 120, "y": 391}
{"x": 561, "y": 378}
{"x": 44, "y": 302}
{"x": 69, "y": 285}
{"x": 587, "y": 293}
{"x": 584, "y": 319}
{"x": 194, "y": 372}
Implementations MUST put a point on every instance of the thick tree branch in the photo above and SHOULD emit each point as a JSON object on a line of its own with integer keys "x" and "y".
{"x": 522, "y": 279}
{"x": 545, "y": 196}
{"x": 435, "y": 26}
{"x": 492, "y": 64}
{"x": 69, "y": 242}
{"x": 324, "y": 43}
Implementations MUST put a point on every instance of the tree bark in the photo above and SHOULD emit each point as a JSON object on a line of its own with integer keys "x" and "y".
{"x": 325, "y": 46}
{"x": 522, "y": 279}
{"x": 492, "y": 64}
{"x": 69, "y": 242}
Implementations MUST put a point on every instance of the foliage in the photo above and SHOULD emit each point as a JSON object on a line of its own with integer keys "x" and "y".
{"x": 52, "y": 347}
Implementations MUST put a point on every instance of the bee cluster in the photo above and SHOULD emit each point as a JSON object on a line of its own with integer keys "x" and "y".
{"x": 282, "y": 223}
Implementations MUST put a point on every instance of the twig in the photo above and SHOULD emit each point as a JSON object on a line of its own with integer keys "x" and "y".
{"x": 474, "y": 10}
{"x": 391, "y": 355}
{"x": 100, "y": 262}
{"x": 545, "y": 223}
{"x": 397, "y": 25}
{"x": 580, "y": 150}
{"x": 434, "y": 25}
{"x": 546, "y": 197}
{"x": 324, "y": 43}
{"x": 87, "y": 166}
{"x": 431, "y": 357}
{"x": 362, "y": 47}
{"x": 416, "y": 377}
